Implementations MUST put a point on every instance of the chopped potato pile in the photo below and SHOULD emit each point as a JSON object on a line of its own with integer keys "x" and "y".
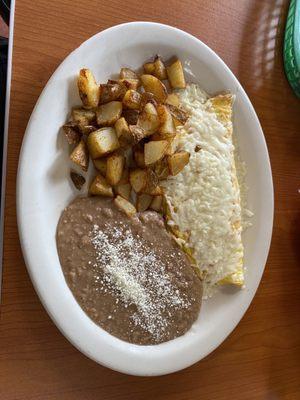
{"x": 128, "y": 128}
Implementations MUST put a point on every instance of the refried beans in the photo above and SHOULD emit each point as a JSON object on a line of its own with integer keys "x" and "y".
{"x": 127, "y": 274}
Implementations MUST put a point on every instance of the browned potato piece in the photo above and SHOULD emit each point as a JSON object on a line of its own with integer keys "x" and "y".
{"x": 138, "y": 179}
{"x": 83, "y": 117}
{"x": 115, "y": 166}
{"x": 173, "y": 144}
{"x": 148, "y": 119}
{"x": 123, "y": 132}
{"x": 157, "y": 191}
{"x": 159, "y": 69}
{"x": 178, "y": 114}
{"x": 101, "y": 165}
{"x": 123, "y": 190}
{"x": 72, "y": 133}
{"x": 149, "y": 68}
{"x": 102, "y": 142}
{"x": 100, "y": 187}
{"x": 125, "y": 177}
{"x": 130, "y": 83}
{"x": 80, "y": 155}
{"x": 77, "y": 179}
{"x": 137, "y": 133}
{"x": 176, "y": 75}
{"x": 132, "y": 99}
{"x": 161, "y": 169}
{"x": 173, "y": 99}
{"x": 139, "y": 158}
{"x": 156, "y": 203}
{"x": 125, "y": 206}
{"x": 111, "y": 92}
{"x": 147, "y": 97}
{"x": 131, "y": 116}
{"x": 109, "y": 113}
{"x": 154, "y": 151}
{"x": 178, "y": 161}
{"x": 88, "y": 88}
{"x": 143, "y": 202}
{"x": 87, "y": 129}
{"x": 167, "y": 127}
{"x": 152, "y": 182}
{"x": 153, "y": 85}
{"x": 127, "y": 73}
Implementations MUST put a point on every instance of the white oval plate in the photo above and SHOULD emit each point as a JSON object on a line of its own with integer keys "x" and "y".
{"x": 44, "y": 189}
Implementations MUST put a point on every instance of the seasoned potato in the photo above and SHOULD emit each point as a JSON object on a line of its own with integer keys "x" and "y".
{"x": 100, "y": 187}
{"x": 173, "y": 99}
{"x": 152, "y": 182}
{"x": 87, "y": 129}
{"x": 127, "y": 73}
{"x": 161, "y": 169}
{"x": 173, "y": 145}
{"x": 80, "y": 155}
{"x": 154, "y": 151}
{"x": 123, "y": 132}
{"x": 102, "y": 142}
{"x": 125, "y": 206}
{"x": 83, "y": 117}
{"x": 111, "y": 92}
{"x": 139, "y": 157}
{"x": 143, "y": 202}
{"x": 130, "y": 83}
{"x": 72, "y": 133}
{"x": 137, "y": 133}
{"x": 123, "y": 190}
{"x": 159, "y": 68}
{"x": 149, "y": 68}
{"x": 125, "y": 177}
{"x": 167, "y": 127}
{"x": 138, "y": 179}
{"x": 101, "y": 165}
{"x": 147, "y": 97}
{"x": 109, "y": 113}
{"x": 178, "y": 161}
{"x": 176, "y": 75}
{"x": 178, "y": 114}
{"x": 157, "y": 191}
{"x": 148, "y": 119}
{"x": 88, "y": 88}
{"x": 131, "y": 116}
{"x": 153, "y": 85}
{"x": 132, "y": 99}
{"x": 156, "y": 203}
{"x": 77, "y": 179}
{"x": 115, "y": 166}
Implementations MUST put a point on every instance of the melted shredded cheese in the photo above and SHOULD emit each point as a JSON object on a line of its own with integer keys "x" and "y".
{"x": 205, "y": 197}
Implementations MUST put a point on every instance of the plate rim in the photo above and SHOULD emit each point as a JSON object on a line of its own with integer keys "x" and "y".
{"x": 132, "y": 369}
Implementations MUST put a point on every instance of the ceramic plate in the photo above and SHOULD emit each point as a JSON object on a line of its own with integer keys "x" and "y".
{"x": 44, "y": 189}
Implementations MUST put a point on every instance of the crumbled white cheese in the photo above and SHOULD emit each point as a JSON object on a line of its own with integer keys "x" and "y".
{"x": 205, "y": 200}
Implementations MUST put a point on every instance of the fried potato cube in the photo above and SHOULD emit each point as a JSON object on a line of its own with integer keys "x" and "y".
{"x": 179, "y": 114}
{"x": 83, "y": 117}
{"x": 115, "y": 166}
{"x": 102, "y": 142}
{"x": 123, "y": 190}
{"x": 156, "y": 203}
{"x": 131, "y": 116}
{"x": 173, "y": 145}
{"x": 111, "y": 92}
{"x": 101, "y": 165}
{"x": 137, "y": 133}
{"x": 154, "y": 151}
{"x": 138, "y": 179}
{"x": 161, "y": 169}
{"x": 167, "y": 127}
{"x": 143, "y": 202}
{"x": 152, "y": 182}
{"x": 77, "y": 179}
{"x": 139, "y": 157}
{"x": 159, "y": 68}
{"x": 176, "y": 75}
{"x": 72, "y": 133}
{"x": 127, "y": 73}
{"x": 123, "y": 132}
{"x": 130, "y": 83}
{"x": 100, "y": 187}
{"x": 178, "y": 161}
{"x": 153, "y": 85}
{"x": 132, "y": 99}
{"x": 80, "y": 155}
{"x": 147, "y": 97}
{"x": 109, "y": 113}
{"x": 173, "y": 99}
{"x": 148, "y": 119}
{"x": 156, "y": 191}
{"x": 149, "y": 68}
{"x": 125, "y": 177}
{"x": 88, "y": 88}
{"x": 125, "y": 206}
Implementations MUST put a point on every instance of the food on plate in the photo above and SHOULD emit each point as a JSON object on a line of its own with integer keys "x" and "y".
{"x": 127, "y": 273}
{"x": 160, "y": 146}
